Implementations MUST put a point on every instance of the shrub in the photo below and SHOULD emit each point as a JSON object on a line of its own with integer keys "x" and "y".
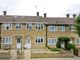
{"x": 70, "y": 46}
{"x": 58, "y": 45}
{"x": 62, "y": 39}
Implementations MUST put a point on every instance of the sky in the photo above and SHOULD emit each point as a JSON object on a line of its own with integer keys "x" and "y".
{"x": 53, "y": 8}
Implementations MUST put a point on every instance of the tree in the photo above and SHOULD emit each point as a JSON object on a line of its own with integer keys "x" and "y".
{"x": 65, "y": 40}
{"x": 77, "y": 25}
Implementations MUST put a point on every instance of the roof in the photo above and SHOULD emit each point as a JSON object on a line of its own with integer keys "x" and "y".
{"x": 60, "y": 20}
{"x": 20, "y": 19}
{"x": 25, "y": 19}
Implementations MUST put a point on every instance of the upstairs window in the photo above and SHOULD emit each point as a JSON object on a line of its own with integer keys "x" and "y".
{"x": 72, "y": 28}
{"x": 62, "y": 28}
{"x": 18, "y": 26}
{"x": 39, "y": 26}
{"x": 29, "y": 26}
{"x": 52, "y": 28}
{"x": 7, "y": 26}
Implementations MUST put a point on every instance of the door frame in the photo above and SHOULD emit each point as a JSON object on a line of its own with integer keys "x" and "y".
{"x": 19, "y": 42}
{"x": 28, "y": 42}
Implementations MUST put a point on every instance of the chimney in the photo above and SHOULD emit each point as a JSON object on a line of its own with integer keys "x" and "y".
{"x": 67, "y": 15}
{"x": 74, "y": 15}
{"x": 37, "y": 13}
{"x": 44, "y": 14}
{"x": 4, "y": 12}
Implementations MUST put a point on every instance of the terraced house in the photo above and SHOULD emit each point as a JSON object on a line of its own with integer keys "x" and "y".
{"x": 35, "y": 31}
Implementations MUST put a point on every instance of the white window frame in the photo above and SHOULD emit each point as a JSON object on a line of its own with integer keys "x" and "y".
{"x": 19, "y": 25}
{"x": 72, "y": 28}
{"x": 52, "y": 41}
{"x": 78, "y": 41}
{"x": 28, "y": 26}
{"x": 38, "y": 37}
{"x": 50, "y": 28}
{"x": 8, "y": 40}
{"x": 39, "y": 25}
{"x": 7, "y": 25}
{"x": 62, "y": 28}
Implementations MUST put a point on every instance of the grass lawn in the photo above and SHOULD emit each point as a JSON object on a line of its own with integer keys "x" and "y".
{"x": 54, "y": 49}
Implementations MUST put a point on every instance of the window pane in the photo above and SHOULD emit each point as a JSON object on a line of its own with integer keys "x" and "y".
{"x": 39, "y": 26}
{"x": 29, "y": 26}
{"x": 3, "y": 40}
{"x": 18, "y": 26}
{"x": 39, "y": 39}
{"x": 49, "y": 42}
{"x": 52, "y": 28}
{"x": 7, "y": 40}
{"x": 18, "y": 40}
{"x": 62, "y": 28}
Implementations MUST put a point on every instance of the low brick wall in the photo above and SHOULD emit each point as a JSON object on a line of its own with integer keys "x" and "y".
{"x": 61, "y": 54}
{"x": 20, "y": 55}
{"x": 5, "y": 54}
{"x": 66, "y": 53}
{"x": 6, "y": 46}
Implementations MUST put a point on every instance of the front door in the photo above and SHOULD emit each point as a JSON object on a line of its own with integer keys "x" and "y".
{"x": 28, "y": 42}
{"x": 62, "y": 45}
{"x": 19, "y": 42}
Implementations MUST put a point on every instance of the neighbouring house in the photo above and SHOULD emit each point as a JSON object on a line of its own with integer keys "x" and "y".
{"x": 35, "y": 31}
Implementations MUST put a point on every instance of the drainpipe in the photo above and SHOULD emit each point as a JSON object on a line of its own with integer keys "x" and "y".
{"x": 46, "y": 31}
{"x": 0, "y": 35}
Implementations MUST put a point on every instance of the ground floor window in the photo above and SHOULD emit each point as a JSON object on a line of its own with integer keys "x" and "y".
{"x": 78, "y": 41}
{"x": 52, "y": 41}
{"x": 7, "y": 40}
{"x": 39, "y": 40}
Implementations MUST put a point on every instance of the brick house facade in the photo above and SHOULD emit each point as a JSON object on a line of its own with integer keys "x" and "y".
{"x": 35, "y": 31}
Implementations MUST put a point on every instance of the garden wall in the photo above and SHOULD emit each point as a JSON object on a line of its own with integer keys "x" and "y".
{"x": 5, "y": 54}
{"x": 61, "y": 54}
{"x": 79, "y": 52}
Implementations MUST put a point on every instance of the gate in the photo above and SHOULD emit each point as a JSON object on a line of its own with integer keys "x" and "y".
{"x": 75, "y": 52}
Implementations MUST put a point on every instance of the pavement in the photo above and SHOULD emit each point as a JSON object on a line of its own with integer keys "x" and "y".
{"x": 28, "y": 54}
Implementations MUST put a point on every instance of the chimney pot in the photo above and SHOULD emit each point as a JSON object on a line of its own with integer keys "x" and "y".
{"x": 74, "y": 15}
{"x": 44, "y": 14}
{"x": 67, "y": 15}
{"x": 4, "y": 12}
{"x": 37, "y": 13}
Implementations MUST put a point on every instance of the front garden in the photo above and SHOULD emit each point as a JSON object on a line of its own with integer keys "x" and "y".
{"x": 64, "y": 48}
